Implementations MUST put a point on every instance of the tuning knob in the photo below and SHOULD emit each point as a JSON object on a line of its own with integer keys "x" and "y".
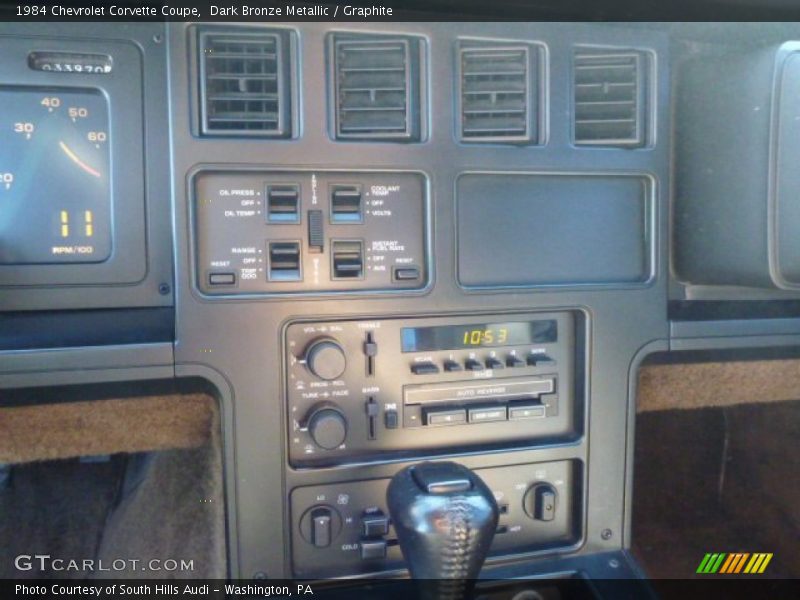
{"x": 325, "y": 358}
{"x": 327, "y": 426}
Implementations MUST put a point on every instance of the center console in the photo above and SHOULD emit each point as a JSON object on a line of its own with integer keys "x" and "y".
{"x": 378, "y": 244}
{"x": 385, "y": 271}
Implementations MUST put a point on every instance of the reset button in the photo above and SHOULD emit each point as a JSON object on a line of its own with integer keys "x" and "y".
{"x": 222, "y": 278}
{"x": 406, "y": 273}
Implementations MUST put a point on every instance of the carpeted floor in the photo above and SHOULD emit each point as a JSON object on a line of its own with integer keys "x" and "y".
{"x": 55, "y": 508}
{"x": 166, "y": 504}
{"x": 717, "y": 480}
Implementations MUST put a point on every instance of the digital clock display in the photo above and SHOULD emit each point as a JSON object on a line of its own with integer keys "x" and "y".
{"x": 487, "y": 335}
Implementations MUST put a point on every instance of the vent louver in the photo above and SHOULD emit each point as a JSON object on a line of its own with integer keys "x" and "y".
{"x": 245, "y": 84}
{"x": 496, "y": 99}
{"x": 376, "y": 88}
{"x": 609, "y": 98}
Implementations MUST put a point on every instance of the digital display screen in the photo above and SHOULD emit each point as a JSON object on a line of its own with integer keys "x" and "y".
{"x": 55, "y": 189}
{"x": 487, "y": 335}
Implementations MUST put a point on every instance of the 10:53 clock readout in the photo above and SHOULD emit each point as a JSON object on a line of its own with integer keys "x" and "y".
{"x": 454, "y": 337}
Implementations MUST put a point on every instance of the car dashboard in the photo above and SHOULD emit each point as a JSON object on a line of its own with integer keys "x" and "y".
{"x": 381, "y": 243}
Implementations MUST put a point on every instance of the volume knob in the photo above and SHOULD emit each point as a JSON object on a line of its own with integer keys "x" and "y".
{"x": 328, "y": 428}
{"x": 326, "y": 359}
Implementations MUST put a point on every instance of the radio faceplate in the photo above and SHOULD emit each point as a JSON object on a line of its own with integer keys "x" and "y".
{"x": 401, "y": 387}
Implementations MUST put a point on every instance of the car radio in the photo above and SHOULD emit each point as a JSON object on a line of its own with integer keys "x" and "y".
{"x": 358, "y": 389}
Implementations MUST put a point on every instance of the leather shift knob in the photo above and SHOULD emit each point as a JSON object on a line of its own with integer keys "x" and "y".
{"x": 445, "y": 518}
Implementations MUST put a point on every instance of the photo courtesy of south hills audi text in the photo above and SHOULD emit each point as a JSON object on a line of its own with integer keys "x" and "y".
{"x": 124, "y": 590}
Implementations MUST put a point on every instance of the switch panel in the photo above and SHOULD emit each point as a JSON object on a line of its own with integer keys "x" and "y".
{"x": 498, "y": 380}
{"x": 316, "y": 231}
{"x": 352, "y": 231}
{"x": 347, "y": 258}
{"x": 283, "y": 203}
{"x": 356, "y": 537}
{"x": 283, "y": 261}
{"x": 346, "y": 203}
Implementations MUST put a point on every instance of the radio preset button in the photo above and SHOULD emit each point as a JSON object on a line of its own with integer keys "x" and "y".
{"x": 473, "y": 365}
{"x": 487, "y": 415}
{"x": 424, "y": 368}
{"x": 447, "y": 417}
{"x": 493, "y": 363}
{"x": 514, "y": 361}
{"x": 451, "y": 365}
{"x": 540, "y": 360}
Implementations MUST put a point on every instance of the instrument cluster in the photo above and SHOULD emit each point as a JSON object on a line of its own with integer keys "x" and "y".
{"x": 55, "y": 177}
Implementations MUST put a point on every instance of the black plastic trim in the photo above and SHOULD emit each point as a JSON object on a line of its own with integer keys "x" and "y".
{"x": 714, "y": 310}
{"x": 67, "y": 329}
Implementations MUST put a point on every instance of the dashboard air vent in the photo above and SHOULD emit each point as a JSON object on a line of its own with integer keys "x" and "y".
{"x": 245, "y": 84}
{"x": 376, "y": 88}
{"x": 496, "y": 99}
{"x": 609, "y": 98}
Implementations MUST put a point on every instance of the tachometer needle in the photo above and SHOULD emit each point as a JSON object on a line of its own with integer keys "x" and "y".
{"x": 77, "y": 160}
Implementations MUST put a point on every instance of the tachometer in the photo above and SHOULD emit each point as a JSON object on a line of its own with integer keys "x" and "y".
{"x": 55, "y": 188}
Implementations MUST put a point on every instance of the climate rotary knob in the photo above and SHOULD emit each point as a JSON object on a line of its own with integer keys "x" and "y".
{"x": 327, "y": 426}
{"x": 325, "y": 358}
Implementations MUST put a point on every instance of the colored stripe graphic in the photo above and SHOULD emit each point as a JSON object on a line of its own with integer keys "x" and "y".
{"x": 715, "y": 567}
{"x": 765, "y": 563}
{"x": 755, "y": 562}
{"x": 740, "y": 562}
{"x": 727, "y": 564}
{"x": 734, "y": 563}
{"x": 711, "y": 563}
{"x": 703, "y": 564}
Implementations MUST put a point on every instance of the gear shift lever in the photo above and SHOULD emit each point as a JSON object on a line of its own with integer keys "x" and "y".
{"x": 445, "y": 518}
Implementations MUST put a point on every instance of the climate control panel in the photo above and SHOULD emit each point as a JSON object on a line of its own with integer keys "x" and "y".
{"x": 361, "y": 389}
{"x": 344, "y": 529}
{"x": 278, "y": 232}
